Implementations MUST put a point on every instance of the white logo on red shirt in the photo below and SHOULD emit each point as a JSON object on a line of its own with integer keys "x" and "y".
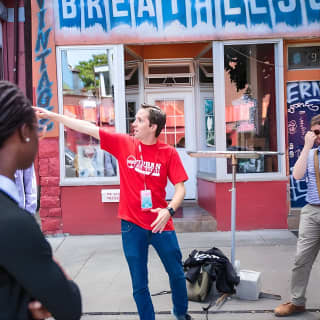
{"x": 131, "y": 162}
{"x": 144, "y": 167}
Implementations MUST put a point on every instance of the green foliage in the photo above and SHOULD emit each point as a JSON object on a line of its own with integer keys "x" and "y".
{"x": 86, "y": 70}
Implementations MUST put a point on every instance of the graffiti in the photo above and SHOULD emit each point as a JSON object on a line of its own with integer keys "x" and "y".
{"x": 292, "y": 127}
{"x": 44, "y": 92}
{"x": 303, "y": 95}
{"x": 312, "y": 107}
{"x": 303, "y": 90}
{"x": 302, "y": 123}
{"x": 303, "y": 102}
{"x": 188, "y": 15}
{"x": 298, "y": 189}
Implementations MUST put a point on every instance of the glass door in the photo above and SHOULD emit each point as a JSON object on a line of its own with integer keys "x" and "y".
{"x": 179, "y": 132}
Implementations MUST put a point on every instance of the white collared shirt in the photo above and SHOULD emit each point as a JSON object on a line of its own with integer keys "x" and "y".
{"x": 9, "y": 187}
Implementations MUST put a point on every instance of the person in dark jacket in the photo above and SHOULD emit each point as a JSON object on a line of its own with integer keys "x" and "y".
{"x": 32, "y": 284}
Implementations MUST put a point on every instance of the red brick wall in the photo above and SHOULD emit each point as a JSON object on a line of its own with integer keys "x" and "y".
{"x": 50, "y": 200}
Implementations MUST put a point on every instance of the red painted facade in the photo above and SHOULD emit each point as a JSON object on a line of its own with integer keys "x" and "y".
{"x": 84, "y": 213}
{"x": 259, "y": 204}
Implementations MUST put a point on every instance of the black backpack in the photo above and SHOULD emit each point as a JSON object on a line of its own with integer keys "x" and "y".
{"x": 203, "y": 268}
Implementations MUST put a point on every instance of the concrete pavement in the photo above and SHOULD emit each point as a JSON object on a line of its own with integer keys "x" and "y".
{"x": 97, "y": 264}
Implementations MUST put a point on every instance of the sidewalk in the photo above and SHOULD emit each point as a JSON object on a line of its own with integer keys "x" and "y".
{"x": 97, "y": 264}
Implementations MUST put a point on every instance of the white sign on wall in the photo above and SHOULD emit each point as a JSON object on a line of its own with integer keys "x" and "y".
{"x": 110, "y": 195}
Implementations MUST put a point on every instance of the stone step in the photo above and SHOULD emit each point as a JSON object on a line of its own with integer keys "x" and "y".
{"x": 192, "y": 218}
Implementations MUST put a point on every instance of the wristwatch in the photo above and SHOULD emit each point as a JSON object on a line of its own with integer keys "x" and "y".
{"x": 171, "y": 211}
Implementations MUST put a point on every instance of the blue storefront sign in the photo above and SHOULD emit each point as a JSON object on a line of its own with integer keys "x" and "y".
{"x": 188, "y": 19}
{"x": 303, "y": 102}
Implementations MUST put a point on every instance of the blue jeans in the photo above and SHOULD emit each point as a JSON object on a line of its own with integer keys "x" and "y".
{"x": 135, "y": 242}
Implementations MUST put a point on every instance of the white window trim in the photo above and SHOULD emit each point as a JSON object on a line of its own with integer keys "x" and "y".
{"x": 120, "y": 125}
{"x": 219, "y": 100}
{"x": 168, "y": 62}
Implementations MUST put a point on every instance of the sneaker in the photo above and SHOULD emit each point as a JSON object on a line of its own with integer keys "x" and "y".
{"x": 287, "y": 309}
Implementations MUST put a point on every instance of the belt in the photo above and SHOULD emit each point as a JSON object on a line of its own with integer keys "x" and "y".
{"x": 316, "y": 205}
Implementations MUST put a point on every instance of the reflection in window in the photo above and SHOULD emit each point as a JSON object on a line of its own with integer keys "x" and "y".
{"x": 304, "y": 57}
{"x": 174, "y": 130}
{"x": 130, "y": 115}
{"x": 250, "y": 104}
{"x": 209, "y": 121}
{"x": 87, "y": 95}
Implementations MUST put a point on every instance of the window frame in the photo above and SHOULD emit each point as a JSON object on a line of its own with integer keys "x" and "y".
{"x": 201, "y": 63}
{"x": 133, "y": 66}
{"x": 220, "y": 118}
{"x": 117, "y": 69}
{"x": 301, "y": 45}
{"x": 168, "y": 62}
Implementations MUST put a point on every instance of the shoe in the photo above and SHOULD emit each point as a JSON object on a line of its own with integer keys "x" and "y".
{"x": 286, "y": 309}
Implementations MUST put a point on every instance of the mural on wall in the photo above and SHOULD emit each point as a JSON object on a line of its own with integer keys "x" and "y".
{"x": 123, "y": 20}
{"x": 303, "y": 102}
{"x": 42, "y": 51}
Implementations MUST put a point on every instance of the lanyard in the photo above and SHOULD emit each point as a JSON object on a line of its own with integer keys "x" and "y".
{"x": 142, "y": 164}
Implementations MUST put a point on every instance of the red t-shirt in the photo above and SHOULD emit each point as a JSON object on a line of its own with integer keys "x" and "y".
{"x": 152, "y": 166}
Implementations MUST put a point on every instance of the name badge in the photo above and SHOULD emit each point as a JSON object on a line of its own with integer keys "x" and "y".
{"x": 146, "y": 199}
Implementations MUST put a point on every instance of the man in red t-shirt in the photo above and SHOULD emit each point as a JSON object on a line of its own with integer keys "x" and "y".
{"x": 146, "y": 218}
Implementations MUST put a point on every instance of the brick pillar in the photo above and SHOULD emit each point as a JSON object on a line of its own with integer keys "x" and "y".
{"x": 49, "y": 171}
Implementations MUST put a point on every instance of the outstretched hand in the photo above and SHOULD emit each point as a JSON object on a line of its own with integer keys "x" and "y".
{"x": 43, "y": 113}
{"x": 161, "y": 221}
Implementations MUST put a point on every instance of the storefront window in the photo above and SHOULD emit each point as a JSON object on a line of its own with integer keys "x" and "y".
{"x": 87, "y": 94}
{"x": 307, "y": 57}
{"x": 250, "y": 109}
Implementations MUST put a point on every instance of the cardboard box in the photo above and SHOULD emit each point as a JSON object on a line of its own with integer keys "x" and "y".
{"x": 249, "y": 287}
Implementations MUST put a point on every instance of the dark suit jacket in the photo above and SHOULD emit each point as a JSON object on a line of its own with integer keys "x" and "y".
{"x": 27, "y": 271}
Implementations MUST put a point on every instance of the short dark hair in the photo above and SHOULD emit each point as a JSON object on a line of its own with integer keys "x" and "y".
{"x": 15, "y": 110}
{"x": 315, "y": 120}
{"x": 156, "y": 116}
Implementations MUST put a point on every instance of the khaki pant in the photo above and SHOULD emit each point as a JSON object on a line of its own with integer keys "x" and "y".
{"x": 307, "y": 249}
